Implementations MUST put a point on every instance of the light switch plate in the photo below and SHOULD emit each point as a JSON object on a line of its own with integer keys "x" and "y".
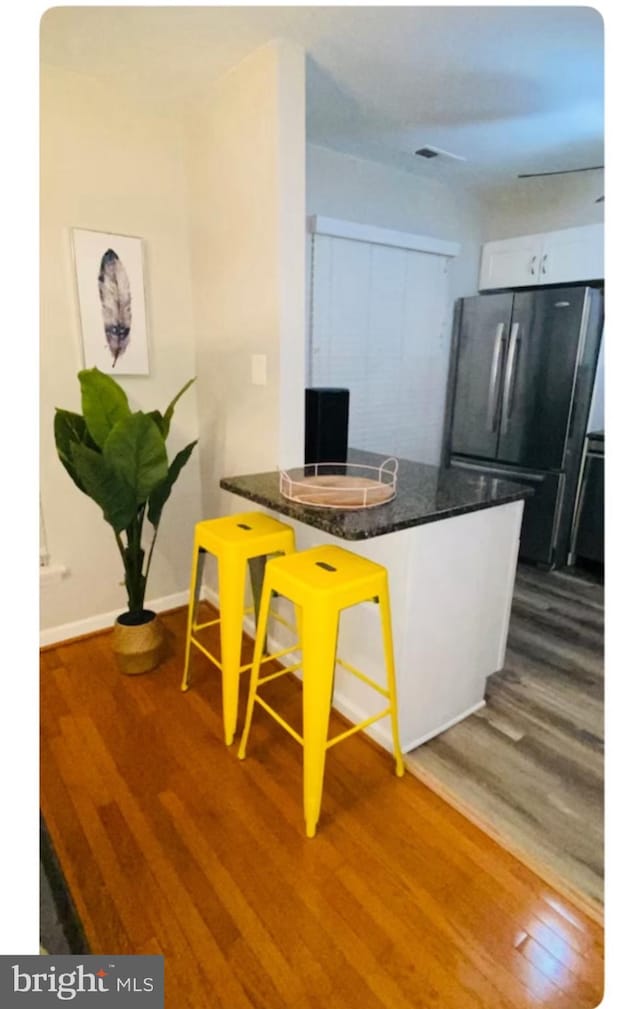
{"x": 259, "y": 369}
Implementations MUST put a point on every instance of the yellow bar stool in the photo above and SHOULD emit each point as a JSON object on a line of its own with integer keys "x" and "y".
{"x": 322, "y": 582}
{"x": 237, "y": 542}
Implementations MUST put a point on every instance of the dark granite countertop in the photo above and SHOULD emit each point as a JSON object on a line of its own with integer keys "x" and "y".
{"x": 424, "y": 494}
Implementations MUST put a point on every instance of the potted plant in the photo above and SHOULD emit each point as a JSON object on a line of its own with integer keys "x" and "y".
{"x": 119, "y": 459}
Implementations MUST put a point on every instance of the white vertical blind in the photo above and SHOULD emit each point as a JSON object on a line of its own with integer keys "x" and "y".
{"x": 380, "y": 326}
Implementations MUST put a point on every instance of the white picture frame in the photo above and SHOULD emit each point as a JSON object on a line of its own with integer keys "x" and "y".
{"x": 109, "y": 272}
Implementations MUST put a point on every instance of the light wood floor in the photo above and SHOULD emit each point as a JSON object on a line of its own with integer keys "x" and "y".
{"x": 530, "y": 765}
{"x": 171, "y": 845}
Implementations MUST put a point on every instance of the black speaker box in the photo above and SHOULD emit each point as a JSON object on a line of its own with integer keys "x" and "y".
{"x": 326, "y": 425}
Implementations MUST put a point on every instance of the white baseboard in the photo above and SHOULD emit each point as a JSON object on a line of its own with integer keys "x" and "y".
{"x": 442, "y": 728}
{"x": 54, "y": 635}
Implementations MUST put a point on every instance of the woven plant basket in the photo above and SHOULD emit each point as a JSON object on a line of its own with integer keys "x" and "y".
{"x": 138, "y": 647}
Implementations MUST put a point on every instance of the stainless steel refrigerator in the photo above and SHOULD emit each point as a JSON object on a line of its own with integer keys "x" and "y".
{"x": 520, "y": 381}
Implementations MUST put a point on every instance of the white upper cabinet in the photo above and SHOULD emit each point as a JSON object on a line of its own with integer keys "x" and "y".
{"x": 513, "y": 262}
{"x": 555, "y": 257}
{"x": 573, "y": 254}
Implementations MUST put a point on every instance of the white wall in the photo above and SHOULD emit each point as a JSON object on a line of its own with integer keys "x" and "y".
{"x": 246, "y": 171}
{"x": 339, "y": 185}
{"x": 530, "y": 206}
{"x": 108, "y": 164}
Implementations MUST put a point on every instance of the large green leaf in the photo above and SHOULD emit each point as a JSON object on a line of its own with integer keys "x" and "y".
{"x": 158, "y": 420}
{"x": 70, "y": 429}
{"x": 104, "y": 403}
{"x": 168, "y": 414}
{"x": 102, "y": 483}
{"x": 136, "y": 451}
{"x": 158, "y": 497}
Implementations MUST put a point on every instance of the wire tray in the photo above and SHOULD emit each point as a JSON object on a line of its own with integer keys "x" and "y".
{"x": 341, "y": 485}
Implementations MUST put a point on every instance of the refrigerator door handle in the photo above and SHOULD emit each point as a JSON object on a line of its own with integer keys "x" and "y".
{"x": 492, "y": 403}
{"x": 500, "y": 471}
{"x": 509, "y": 382}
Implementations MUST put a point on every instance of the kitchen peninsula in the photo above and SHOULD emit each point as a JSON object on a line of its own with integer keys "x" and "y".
{"x": 449, "y": 541}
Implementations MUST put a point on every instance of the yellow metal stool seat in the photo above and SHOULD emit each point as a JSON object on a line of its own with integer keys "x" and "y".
{"x": 322, "y": 582}
{"x": 237, "y": 542}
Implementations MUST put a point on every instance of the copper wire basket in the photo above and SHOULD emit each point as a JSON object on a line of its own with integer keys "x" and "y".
{"x": 342, "y": 486}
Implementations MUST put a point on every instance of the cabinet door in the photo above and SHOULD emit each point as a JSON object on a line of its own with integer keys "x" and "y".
{"x": 574, "y": 254}
{"x": 513, "y": 262}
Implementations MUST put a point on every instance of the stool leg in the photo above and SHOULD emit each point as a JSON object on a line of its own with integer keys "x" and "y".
{"x": 258, "y": 650}
{"x": 387, "y": 640}
{"x": 320, "y": 634}
{"x": 257, "y": 566}
{"x": 194, "y": 591}
{"x": 298, "y": 616}
{"x": 231, "y": 585}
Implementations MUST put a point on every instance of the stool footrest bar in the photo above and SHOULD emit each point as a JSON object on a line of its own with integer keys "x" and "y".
{"x": 281, "y": 620}
{"x": 209, "y": 623}
{"x": 206, "y": 652}
{"x": 281, "y": 672}
{"x": 212, "y": 623}
{"x": 279, "y": 655}
{"x": 268, "y": 656}
{"x": 331, "y": 742}
{"x": 357, "y": 728}
{"x": 247, "y": 665}
{"x": 280, "y": 720}
{"x": 363, "y": 677}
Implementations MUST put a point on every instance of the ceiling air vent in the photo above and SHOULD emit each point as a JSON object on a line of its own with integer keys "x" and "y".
{"x": 433, "y": 152}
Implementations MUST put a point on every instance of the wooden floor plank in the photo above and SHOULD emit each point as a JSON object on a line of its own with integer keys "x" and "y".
{"x": 171, "y": 844}
{"x": 529, "y": 766}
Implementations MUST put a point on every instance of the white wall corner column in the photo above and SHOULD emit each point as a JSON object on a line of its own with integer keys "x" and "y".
{"x": 246, "y": 168}
{"x": 291, "y": 223}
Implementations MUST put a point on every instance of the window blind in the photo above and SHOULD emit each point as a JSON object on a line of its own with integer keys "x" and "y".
{"x": 379, "y": 325}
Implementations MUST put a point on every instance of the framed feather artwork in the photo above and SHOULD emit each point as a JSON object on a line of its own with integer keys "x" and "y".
{"x": 110, "y": 279}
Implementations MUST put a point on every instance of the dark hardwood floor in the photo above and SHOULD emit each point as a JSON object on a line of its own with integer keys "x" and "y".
{"x": 530, "y": 765}
{"x": 170, "y": 844}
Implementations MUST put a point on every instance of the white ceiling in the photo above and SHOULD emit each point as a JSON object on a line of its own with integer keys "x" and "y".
{"x": 511, "y": 89}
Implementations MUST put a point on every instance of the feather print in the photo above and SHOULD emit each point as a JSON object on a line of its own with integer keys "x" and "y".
{"x": 115, "y": 297}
